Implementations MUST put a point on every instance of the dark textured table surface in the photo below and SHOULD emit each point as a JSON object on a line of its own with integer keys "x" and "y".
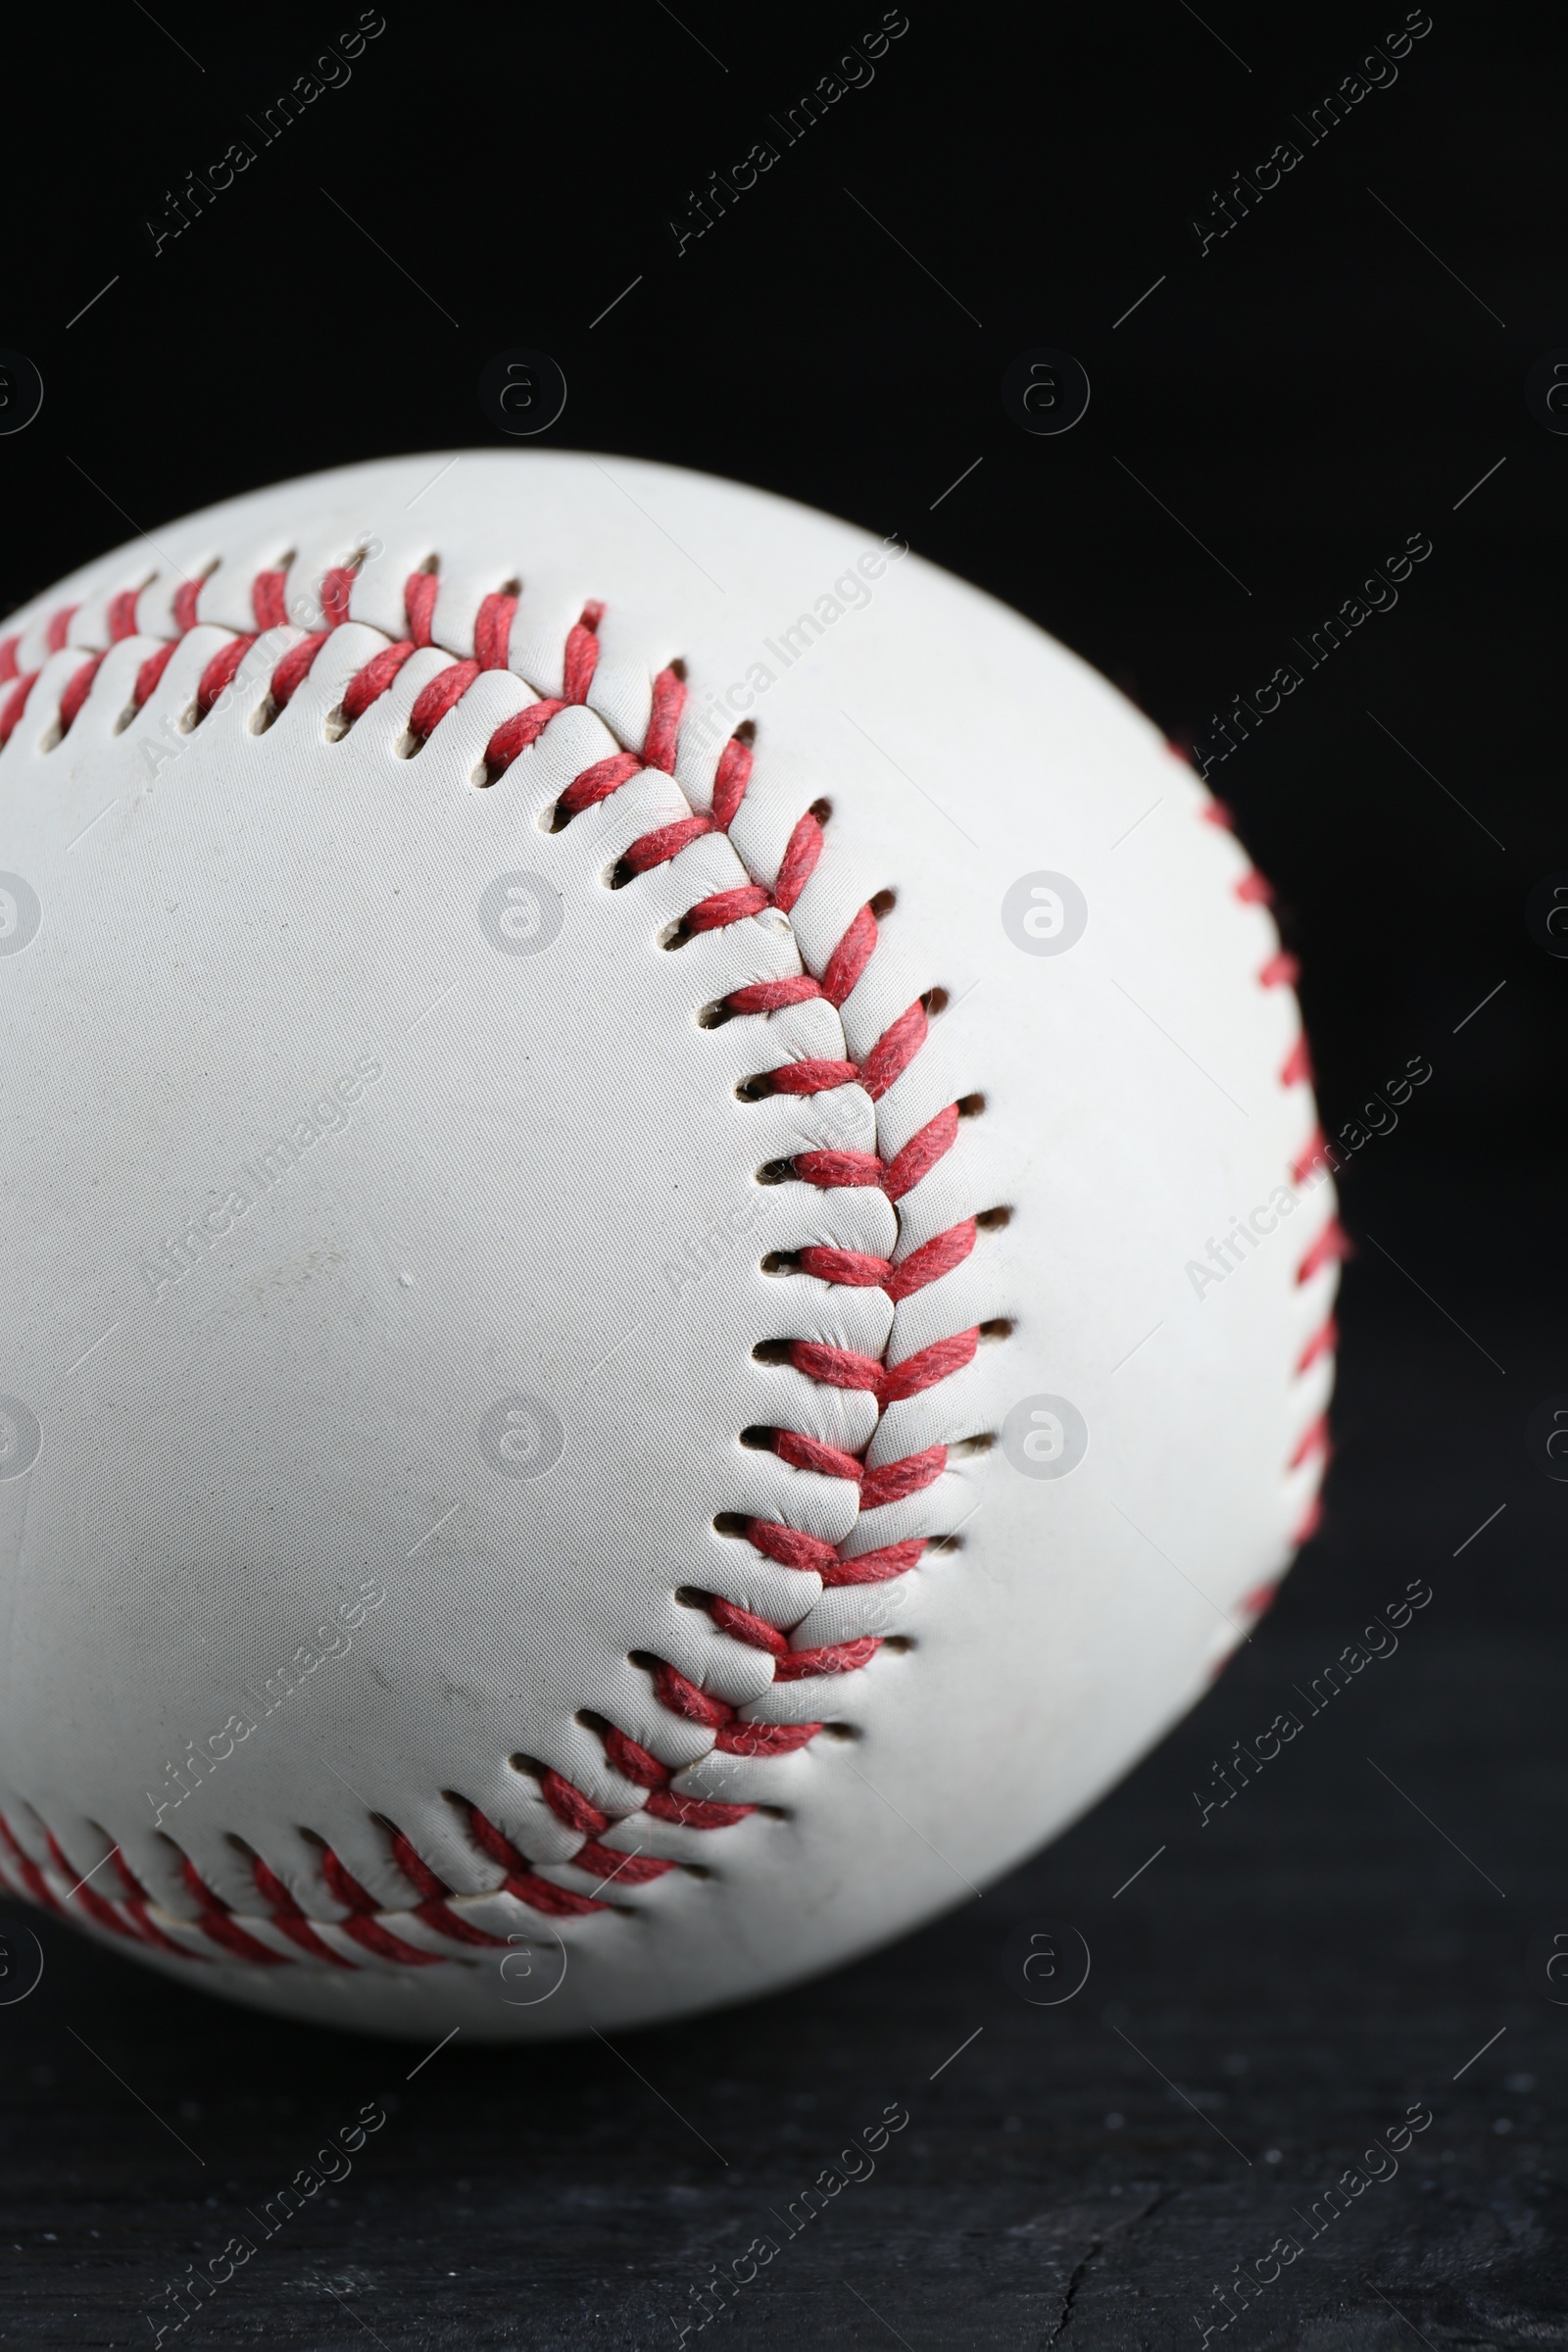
{"x": 1275, "y": 1992}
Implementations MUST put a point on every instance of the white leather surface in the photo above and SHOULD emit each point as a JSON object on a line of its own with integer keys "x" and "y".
{"x": 228, "y": 931}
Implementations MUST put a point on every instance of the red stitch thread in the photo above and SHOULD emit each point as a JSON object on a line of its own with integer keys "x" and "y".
{"x": 568, "y": 1804}
{"x": 880, "y": 1069}
{"x": 582, "y": 654}
{"x": 290, "y": 672}
{"x": 521, "y": 1879}
{"x": 368, "y": 684}
{"x": 839, "y": 1658}
{"x": 514, "y": 735}
{"x": 1332, "y": 1244}
{"x": 287, "y": 1917}
{"x": 336, "y": 587}
{"x": 33, "y": 1877}
{"x": 433, "y": 702}
{"x": 608, "y": 1863}
{"x": 76, "y": 693}
{"x": 877, "y": 1567}
{"x": 268, "y": 601}
{"x": 15, "y": 704}
{"x": 150, "y": 671}
{"x": 731, "y": 1619}
{"x": 91, "y": 1901}
{"x": 492, "y": 631}
{"x": 1323, "y": 1341}
{"x": 664, "y": 722}
{"x": 1314, "y": 1439}
{"x": 418, "y": 605}
{"x": 219, "y": 672}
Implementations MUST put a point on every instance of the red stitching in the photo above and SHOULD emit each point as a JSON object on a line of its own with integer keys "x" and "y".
{"x": 1331, "y": 1244}
{"x": 879, "y": 1069}
{"x": 1296, "y": 1069}
{"x": 122, "y": 614}
{"x": 1314, "y": 1440}
{"x": 15, "y": 703}
{"x": 1324, "y": 1340}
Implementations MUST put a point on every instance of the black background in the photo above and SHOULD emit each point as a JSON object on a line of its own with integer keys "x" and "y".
{"x": 1323, "y": 382}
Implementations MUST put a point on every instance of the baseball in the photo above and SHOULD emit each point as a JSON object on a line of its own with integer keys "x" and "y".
{"x": 668, "y": 1278}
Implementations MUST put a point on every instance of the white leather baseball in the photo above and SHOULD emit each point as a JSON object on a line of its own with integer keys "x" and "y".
{"x": 403, "y": 1291}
